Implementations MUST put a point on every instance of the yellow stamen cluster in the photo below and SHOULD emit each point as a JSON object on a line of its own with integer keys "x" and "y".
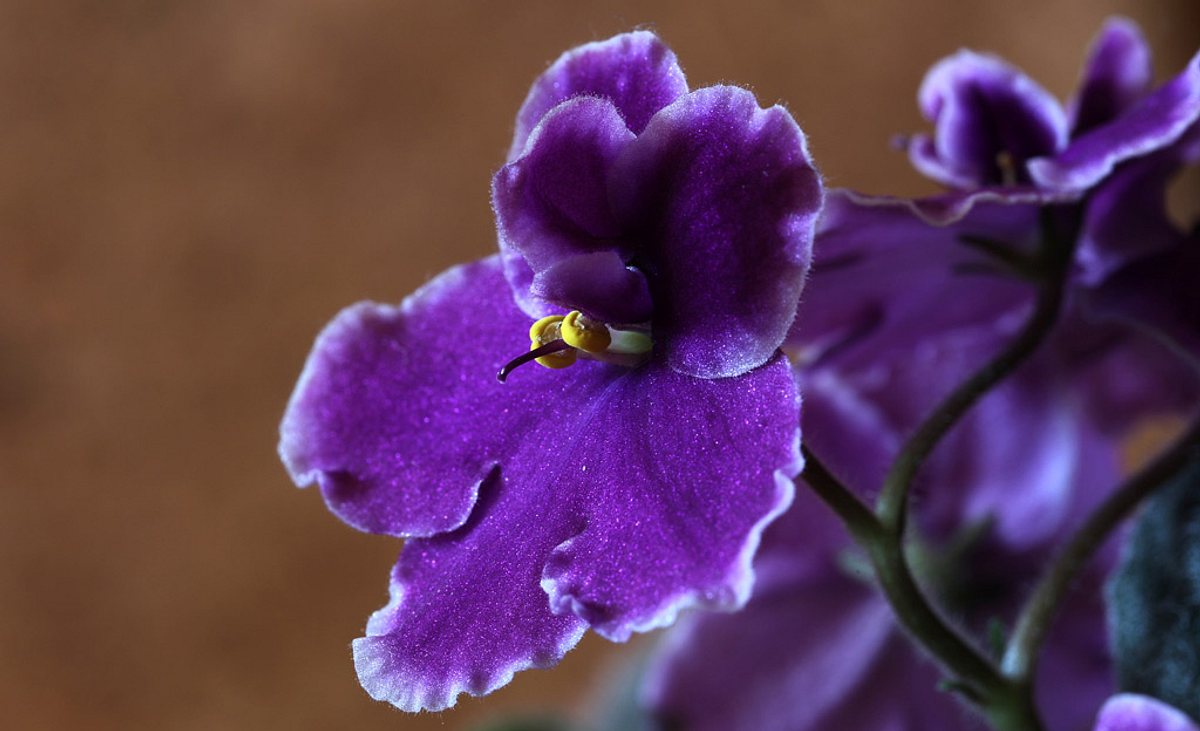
{"x": 546, "y": 331}
{"x": 582, "y": 333}
{"x": 573, "y": 335}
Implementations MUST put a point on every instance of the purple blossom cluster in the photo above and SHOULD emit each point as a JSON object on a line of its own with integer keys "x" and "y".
{"x": 684, "y": 282}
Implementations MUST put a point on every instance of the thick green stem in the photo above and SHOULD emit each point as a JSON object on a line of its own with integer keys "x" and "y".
{"x": 1021, "y": 656}
{"x": 976, "y": 677}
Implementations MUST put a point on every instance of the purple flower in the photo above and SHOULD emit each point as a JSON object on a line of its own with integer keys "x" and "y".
{"x": 675, "y": 226}
{"x": 999, "y": 136}
{"x": 1129, "y": 712}
{"x": 995, "y": 126}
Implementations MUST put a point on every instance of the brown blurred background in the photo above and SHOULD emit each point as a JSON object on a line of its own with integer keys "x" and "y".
{"x": 189, "y": 190}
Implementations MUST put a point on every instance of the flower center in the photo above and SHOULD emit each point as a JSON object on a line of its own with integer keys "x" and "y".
{"x": 558, "y": 341}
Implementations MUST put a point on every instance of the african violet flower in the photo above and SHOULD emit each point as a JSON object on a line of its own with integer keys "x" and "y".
{"x": 1129, "y": 712}
{"x": 996, "y": 127}
{"x": 998, "y": 135}
{"x": 675, "y": 227}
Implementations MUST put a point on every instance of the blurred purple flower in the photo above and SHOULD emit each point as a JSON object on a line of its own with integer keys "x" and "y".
{"x": 1157, "y": 291}
{"x": 677, "y": 225}
{"x": 996, "y": 127}
{"x": 999, "y": 136}
{"x": 1129, "y": 712}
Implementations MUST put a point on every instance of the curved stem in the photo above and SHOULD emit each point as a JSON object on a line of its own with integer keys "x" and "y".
{"x": 859, "y": 519}
{"x": 892, "y": 507}
{"x": 1054, "y": 259}
{"x": 974, "y": 674}
{"x": 1020, "y": 658}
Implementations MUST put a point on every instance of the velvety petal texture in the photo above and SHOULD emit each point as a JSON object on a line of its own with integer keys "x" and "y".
{"x": 553, "y": 202}
{"x": 635, "y": 71}
{"x": 806, "y": 653}
{"x": 724, "y": 198}
{"x": 1129, "y": 712}
{"x": 1000, "y": 137}
{"x": 893, "y": 319}
{"x": 597, "y": 495}
{"x": 599, "y": 284}
{"x": 367, "y": 421}
{"x": 552, "y": 205}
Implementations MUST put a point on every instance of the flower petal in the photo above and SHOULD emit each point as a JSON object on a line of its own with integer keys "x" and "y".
{"x": 385, "y": 416}
{"x": 789, "y": 660}
{"x": 635, "y": 71}
{"x": 638, "y": 497}
{"x": 813, "y": 646}
{"x": 627, "y": 493}
{"x": 982, "y": 107}
{"x": 803, "y": 654}
{"x": 1153, "y": 123}
{"x": 1126, "y": 218}
{"x": 680, "y": 475}
{"x": 1131, "y": 712}
{"x": 726, "y": 197}
{"x": 1026, "y": 478}
{"x": 1117, "y": 74}
{"x": 466, "y": 611}
{"x": 890, "y": 323}
{"x": 600, "y": 285}
{"x": 643, "y": 492}
{"x": 883, "y": 275}
{"x": 1031, "y": 478}
{"x": 553, "y": 202}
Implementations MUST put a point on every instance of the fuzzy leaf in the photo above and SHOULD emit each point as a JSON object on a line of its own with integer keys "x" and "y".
{"x": 1154, "y": 599}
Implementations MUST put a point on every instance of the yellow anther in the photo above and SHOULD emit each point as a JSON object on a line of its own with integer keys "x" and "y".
{"x": 544, "y": 332}
{"x": 561, "y": 359}
{"x": 580, "y": 332}
{"x": 538, "y": 330}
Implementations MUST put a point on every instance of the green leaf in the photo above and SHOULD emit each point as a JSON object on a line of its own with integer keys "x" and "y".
{"x": 1154, "y": 598}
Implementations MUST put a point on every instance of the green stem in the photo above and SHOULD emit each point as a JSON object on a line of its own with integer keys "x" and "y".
{"x": 972, "y": 671}
{"x": 1021, "y": 656}
{"x": 1054, "y": 259}
{"x": 859, "y": 519}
